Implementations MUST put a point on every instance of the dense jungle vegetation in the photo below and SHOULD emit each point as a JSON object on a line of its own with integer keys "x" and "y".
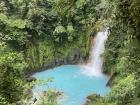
{"x": 34, "y": 32}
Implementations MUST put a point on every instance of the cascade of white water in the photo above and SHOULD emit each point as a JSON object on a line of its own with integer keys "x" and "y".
{"x": 94, "y": 67}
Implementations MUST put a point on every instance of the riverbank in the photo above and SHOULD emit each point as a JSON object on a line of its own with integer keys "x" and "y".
{"x": 75, "y": 58}
{"x": 76, "y": 55}
{"x": 94, "y": 64}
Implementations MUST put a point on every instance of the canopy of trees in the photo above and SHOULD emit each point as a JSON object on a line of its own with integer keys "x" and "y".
{"x": 34, "y": 32}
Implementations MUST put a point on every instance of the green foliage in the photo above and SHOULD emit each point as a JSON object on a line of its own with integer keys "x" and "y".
{"x": 49, "y": 98}
{"x": 122, "y": 53}
{"x": 95, "y": 99}
{"x": 3, "y": 101}
{"x": 124, "y": 90}
{"x": 27, "y": 25}
{"x": 11, "y": 68}
{"x": 39, "y": 54}
{"x": 45, "y": 30}
{"x": 60, "y": 34}
{"x": 34, "y": 33}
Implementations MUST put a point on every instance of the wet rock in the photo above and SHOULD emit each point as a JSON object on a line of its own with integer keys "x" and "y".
{"x": 19, "y": 103}
{"x": 34, "y": 100}
{"x": 92, "y": 97}
{"x": 112, "y": 76}
{"x": 30, "y": 79}
{"x": 59, "y": 93}
{"x": 74, "y": 57}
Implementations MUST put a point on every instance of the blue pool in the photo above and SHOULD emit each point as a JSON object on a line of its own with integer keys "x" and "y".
{"x": 75, "y": 85}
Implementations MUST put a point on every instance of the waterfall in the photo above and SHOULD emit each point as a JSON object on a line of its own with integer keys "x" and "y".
{"x": 94, "y": 67}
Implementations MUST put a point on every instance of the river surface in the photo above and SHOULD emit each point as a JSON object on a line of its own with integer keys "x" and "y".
{"x": 78, "y": 81}
{"x": 73, "y": 82}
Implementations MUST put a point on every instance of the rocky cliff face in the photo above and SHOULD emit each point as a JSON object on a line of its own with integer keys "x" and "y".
{"x": 76, "y": 56}
{"x": 73, "y": 58}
